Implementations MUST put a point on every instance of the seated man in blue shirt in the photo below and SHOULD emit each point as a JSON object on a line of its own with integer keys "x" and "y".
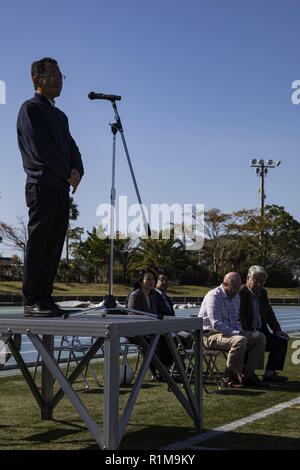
{"x": 220, "y": 312}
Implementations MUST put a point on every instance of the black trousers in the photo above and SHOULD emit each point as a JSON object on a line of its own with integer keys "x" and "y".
{"x": 277, "y": 348}
{"x": 162, "y": 351}
{"x": 47, "y": 227}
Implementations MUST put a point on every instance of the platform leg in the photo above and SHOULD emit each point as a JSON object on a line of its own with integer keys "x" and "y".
{"x": 47, "y": 380}
{"x": 111, "y": 390}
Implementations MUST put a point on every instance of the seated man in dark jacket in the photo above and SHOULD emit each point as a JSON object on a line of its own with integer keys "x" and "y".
{"x": 166, "y": 308}
{"x": 256, "y": 313}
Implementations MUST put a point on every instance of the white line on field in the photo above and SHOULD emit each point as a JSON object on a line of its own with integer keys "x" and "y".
{"x": 195, "y": 440}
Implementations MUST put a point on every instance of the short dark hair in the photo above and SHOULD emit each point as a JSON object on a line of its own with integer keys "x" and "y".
{"x": 162, "y": 272}
{"x": 39, "y": 66}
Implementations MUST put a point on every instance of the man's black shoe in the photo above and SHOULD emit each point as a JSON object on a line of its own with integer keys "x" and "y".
{"x": 254, "y": 381}
{"x": 61, "y": 312}
{"x": 275, "y": 378}
{"x": 53, "y": 306}
{"x": 40, "y": 309}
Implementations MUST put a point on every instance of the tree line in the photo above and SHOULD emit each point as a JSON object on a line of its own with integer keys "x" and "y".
{"x": 232, "y": 242}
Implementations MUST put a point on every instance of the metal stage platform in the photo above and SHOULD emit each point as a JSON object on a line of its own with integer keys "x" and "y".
{"x": 107, "y": 328}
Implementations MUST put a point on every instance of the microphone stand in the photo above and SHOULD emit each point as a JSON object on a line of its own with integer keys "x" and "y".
{"x": 115, "y": 128}
{"x": 110, "y": 304}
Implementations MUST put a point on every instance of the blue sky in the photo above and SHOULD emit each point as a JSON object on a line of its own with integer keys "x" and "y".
{"x": 205, "y": 86}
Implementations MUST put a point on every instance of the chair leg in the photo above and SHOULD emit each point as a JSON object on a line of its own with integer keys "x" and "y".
{"x": 212, "y": 371}
{"x": 83, "y": 375}
{"x": 36, "y": 366}
{"x": 76, "y": 340}
{"x": 125, "y": 354}
{"x": 139, "y": 355}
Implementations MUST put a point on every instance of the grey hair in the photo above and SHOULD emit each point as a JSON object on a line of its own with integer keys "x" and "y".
{"x": 253, "y": 270}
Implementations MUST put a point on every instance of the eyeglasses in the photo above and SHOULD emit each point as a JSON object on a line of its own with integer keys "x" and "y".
{"x": 53, "y": 75}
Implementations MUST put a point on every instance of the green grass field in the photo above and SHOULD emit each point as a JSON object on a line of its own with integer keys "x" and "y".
{"x": 73, "y": 289}
{"x": 157, "y": 420}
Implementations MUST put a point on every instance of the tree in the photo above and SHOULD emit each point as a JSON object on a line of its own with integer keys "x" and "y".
{"x": 218, "y": 242}
{"x": 167, "y": 254}
{"x": 16, "y": 269}
{"x": 279, "y": 244}
{"x": 73, "y": 215}
{"x": 125, "y": 250}
{"x": 94, "y": 256}
{"x": 15, "y": 237}
{"x": 71, "y": 270}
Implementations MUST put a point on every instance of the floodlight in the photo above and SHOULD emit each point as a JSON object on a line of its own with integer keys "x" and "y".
{"x": 261, "y": 170}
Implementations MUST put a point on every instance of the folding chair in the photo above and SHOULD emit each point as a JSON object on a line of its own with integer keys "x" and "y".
{"x": 75, "y": 349}
{"x": 126, "y": 349}
{"x": 211, "y": 370}
{"x": 187, "y": 357}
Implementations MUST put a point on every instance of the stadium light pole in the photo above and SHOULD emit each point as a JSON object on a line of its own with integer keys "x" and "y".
{"x": 261, "y": 167}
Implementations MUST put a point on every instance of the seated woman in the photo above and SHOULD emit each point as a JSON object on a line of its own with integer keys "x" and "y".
{"x": 146, "y": 299}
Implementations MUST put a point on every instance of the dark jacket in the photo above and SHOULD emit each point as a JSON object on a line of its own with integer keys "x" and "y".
{"x": 166, "y": 305}
{"x": 267, "y": 314}
{"x": 137, "y": 301}
{"x": 46, "y": 145}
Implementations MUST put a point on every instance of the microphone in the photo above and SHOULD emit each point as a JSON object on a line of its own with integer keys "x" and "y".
{"x": 101, "y": 96}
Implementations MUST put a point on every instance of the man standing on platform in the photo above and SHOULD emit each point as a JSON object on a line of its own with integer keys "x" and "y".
{"x": 52, "y": 162}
